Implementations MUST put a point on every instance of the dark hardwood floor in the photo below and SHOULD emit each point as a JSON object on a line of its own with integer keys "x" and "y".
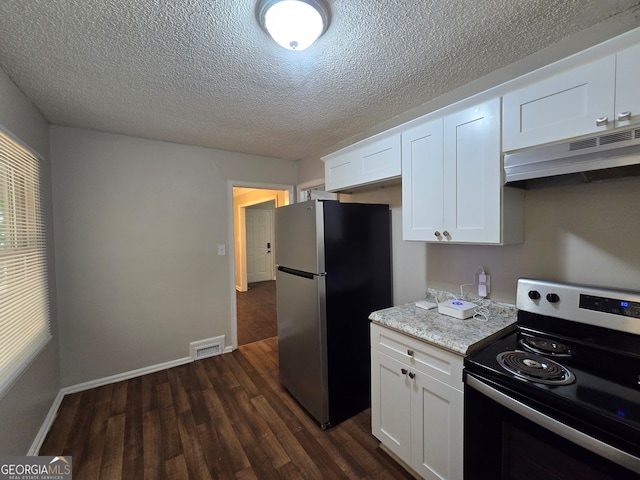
{"x": 256, "y": 312}
{"x": 221, "y": 417}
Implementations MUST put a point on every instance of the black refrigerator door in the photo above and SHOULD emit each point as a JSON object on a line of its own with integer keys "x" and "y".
{"x": 358, "y": 264}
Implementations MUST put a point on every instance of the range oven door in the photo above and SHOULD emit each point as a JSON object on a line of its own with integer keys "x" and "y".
{"x": 504, "y": 438}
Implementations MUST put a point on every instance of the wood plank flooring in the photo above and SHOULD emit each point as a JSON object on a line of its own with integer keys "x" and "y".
{"x": 256, "y": 312}
{"x": 217, "y": 418}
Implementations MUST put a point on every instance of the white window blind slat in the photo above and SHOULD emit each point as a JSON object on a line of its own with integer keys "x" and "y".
{"x": 24, "y": 297}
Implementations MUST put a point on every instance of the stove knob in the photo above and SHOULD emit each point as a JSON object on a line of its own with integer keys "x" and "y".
{"x": 534, "y": 295}
{"x": 553, "y": 298}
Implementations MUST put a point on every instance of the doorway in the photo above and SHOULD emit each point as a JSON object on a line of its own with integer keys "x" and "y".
{"x": 254, "y": 261}
{"x": 259, "y": 242}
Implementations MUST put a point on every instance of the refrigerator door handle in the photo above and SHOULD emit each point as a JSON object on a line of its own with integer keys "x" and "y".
{"x": 300, "y": 273}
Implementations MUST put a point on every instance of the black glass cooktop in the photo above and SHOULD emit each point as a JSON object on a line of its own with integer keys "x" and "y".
{"x": 605, "y": 391}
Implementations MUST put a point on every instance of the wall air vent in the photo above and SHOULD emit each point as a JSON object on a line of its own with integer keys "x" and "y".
{"x": 206, "y": 348}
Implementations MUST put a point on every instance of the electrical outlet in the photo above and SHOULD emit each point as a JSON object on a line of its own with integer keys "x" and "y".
{"x": 484, "y": 285}
{"x": 221, "y": 249}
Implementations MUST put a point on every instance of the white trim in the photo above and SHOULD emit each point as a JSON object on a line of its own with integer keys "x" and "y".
{"x": 80, "y": 387}
{"x": 310, "y": 184}
{"x": 46, "y": 425}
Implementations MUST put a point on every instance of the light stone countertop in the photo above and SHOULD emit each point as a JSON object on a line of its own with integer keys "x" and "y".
{"x": 458, "y": 336}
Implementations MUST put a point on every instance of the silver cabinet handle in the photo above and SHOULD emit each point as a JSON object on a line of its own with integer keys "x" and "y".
{"x": 404, "y": 371}
{"x": 602, "y": 121}
{"x": 410, "y": 353}
{"x": 624, "y": 116}
{"x": 445, "y": 233}
{"x": 412, "y": 375}
{"x": 437, "y": 233}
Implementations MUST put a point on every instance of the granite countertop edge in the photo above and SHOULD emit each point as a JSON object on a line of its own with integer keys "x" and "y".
{"x": 461, "y": 337}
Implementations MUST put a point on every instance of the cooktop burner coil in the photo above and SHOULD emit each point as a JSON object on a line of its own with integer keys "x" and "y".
{"x": 535, "y": 368}
{"x": 545, "y": 346}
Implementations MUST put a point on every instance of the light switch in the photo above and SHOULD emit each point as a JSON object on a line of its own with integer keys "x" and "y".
{"x": 221, "y": 249}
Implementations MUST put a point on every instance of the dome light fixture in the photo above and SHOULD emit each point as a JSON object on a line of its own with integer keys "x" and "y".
{"x": 293, "y": 24}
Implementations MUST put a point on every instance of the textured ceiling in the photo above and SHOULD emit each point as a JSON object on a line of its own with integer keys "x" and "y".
{"x": 202, "y": 72}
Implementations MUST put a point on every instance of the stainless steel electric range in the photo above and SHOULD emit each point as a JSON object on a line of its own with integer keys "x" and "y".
{"x": 559, "y": 397}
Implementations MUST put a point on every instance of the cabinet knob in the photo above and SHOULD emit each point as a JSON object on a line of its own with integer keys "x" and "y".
{"x": 437, "y": 233}
{"x": 445, "y": 233}
{"x": 602, "y": 121}
{"x": 404, "y": 371}
{"x": 412, "y": 375}
{"x": 624, "y": 116}
{"x": 410, "y": 353}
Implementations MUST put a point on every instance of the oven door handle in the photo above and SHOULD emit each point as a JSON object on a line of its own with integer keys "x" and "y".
{"x": 596, "y": 446}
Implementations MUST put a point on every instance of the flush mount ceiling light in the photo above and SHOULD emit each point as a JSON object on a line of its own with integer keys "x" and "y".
{"x": 293, "y": 24}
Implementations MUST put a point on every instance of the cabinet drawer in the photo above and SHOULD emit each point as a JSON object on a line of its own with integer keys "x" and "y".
{"x": 431, "y": 360}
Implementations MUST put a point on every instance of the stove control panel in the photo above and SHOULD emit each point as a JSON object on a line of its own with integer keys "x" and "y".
{"x": 615, "y": 306}
{"x": 590, "y": 304}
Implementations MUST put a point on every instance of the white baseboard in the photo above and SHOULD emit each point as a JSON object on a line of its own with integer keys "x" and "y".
{"x": 53, "y": 411}
{"x": 46, "y": 425}
{"x": 80, "y": 387}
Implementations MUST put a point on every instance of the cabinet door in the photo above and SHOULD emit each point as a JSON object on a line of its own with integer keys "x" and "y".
{"x": 370, "y": 162}
{"x": 560, "y": 107}
{"x": 627, "y": 91}
{"x": 391, "y": 404}
{"x": 339, "y": 172}
{"x": 380, "y": 160}
{"x": 473, "y": 174}
{"x": 422, "y": 177}
{"x": 437, "y": 429}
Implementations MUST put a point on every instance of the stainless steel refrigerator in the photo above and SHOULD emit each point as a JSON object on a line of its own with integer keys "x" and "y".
{"x": 333, "y": 269}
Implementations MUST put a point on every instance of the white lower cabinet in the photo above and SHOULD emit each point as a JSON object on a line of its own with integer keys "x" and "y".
{"x": 417, "y": 404}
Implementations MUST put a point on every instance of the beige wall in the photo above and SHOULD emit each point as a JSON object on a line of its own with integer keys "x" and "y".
{"x": 580, "y": 234}
{"x": 24, "y": 408}
{"x": 137, "y": 223}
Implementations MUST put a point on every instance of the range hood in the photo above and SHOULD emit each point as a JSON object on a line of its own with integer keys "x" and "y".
{"x": 615, "y": 154}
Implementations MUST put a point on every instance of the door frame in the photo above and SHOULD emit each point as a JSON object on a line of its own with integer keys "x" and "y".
{"x": 231, "y": 241}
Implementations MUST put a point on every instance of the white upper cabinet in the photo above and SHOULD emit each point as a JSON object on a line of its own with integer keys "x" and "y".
{"x": 366, "y": 162}
{"x": 452, "y": 180}
{"x": 627, "y": 105}
{"x": 422, "y": 181}
{"x": 595, "y": 97}
{"x": 473, "y": 175}
{"x": 569, "y": 104}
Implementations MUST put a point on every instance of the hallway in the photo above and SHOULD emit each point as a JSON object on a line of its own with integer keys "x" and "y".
{"x": 256, "y": 312}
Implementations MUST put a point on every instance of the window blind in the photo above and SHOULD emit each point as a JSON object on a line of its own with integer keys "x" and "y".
{"x": 24, "y": 297}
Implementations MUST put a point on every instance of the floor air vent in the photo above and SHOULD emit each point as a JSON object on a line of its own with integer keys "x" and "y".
{"x": 206, "y": 348}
